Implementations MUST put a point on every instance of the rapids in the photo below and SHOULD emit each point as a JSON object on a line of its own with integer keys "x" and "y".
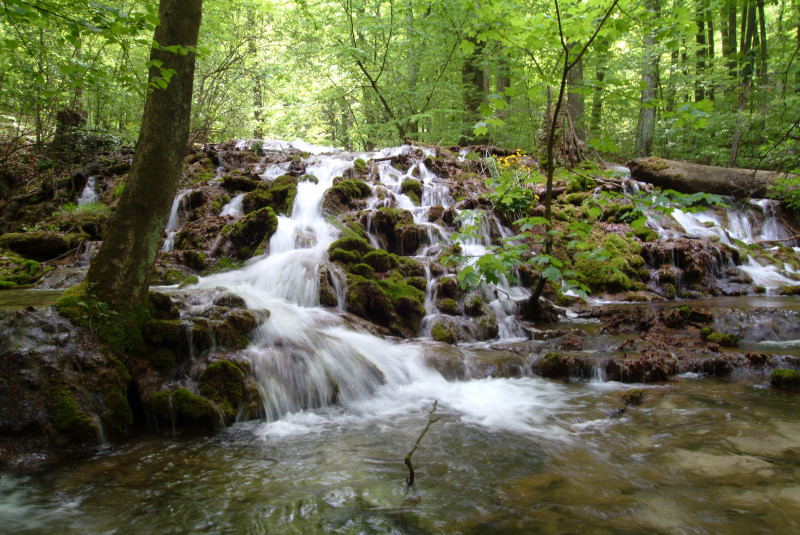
{"x": 510, "y": 455}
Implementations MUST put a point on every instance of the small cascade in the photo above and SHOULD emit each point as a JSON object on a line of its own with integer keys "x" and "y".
{"x": 88, "y": 195}
{"x": 233, "y": 208}
{"x": 175, "y": 220}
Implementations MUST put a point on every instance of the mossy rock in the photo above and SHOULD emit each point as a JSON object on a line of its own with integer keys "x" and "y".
{"x": 345, "y": 257}
{"x": 42, "y": 245}
{"x": 19, "y": 272}
{"x": 223, "y": 383}
{"x": 791, "y": 290}
{"x": 723, "y": 339}
{"x": 365, "y": 270}
{"x": 785, "y": 379}
{"x": 254, "y": 229}
{"x": 279, "y": 194}
{"x": 448, "y": 306}
{"x": 366, "y": 299}
{"x": 444, "y": 330}
{"x": 351, "y": 243}
{"x": 380, "y": 260}
{"x": 420, "y": 283}
{"x": 599, "y": 276}
{"x": 360, "y": 165}
{"x": 68, "y": 417}
{"x": 191, "y": 408}
{"x": 413, "y": 189}
{"x": 634, "y": 397}
{"x": 576, "y": 199}
{"x": 646, "y": 234}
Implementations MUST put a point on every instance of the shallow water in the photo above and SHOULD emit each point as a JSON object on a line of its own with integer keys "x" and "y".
{"x": 508, "y": 456}
{"x": 15, "y": 299}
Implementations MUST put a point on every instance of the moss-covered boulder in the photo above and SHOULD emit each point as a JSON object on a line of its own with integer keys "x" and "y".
{"x": 42, "y": 245}
{"x": 278, "y": 194}
{"x": 18, "y": 272}
{"x": 182, "y": 406}
{"x": 366, "y": 299}
{"x": 223, "y": 383}
{"x": 785, "y": 379}
{"x": 444, "y": 330}
{"x": 251, "y": 235}
{"x": 238, "y": 180}
{"x": 345, "y": 195}
{"x": 413, "y": 189}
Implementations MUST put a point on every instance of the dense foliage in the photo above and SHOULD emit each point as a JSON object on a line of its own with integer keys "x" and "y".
{"x": 721, "y": 77}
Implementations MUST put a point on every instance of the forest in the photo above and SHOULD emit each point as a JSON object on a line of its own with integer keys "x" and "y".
{"x": 380, "y": 266}
{"x": 712, "y": 82}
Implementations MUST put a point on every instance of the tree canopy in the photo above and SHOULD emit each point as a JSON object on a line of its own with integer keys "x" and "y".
{"x": 709, "y": 81}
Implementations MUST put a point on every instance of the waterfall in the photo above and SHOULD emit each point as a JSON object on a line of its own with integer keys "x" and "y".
{"x": 174, "y": 221}
{"x": 88, "y": 195}
{"x": 233, "y": 208}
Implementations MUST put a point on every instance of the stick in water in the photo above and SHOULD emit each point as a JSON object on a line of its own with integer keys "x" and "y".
{"x": 431, "y": 420}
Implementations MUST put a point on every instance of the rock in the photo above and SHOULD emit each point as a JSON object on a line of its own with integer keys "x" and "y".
{"x": 444, "y": 330}
{"x": 223, "y": 383}
{"x": 634, "y": 396}
{"x": 41, "y": 245}
{"x": 785, "y": 379}
{"x": 55, "y": 383}
{"x": 250, "y": 235}
{"x": 278, "y": 194}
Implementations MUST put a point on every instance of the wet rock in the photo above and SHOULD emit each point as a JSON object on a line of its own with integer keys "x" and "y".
{"x": 785, "y": 379}
{"x": 56, "y": 384}
{"x": 277, "y": 194}
{"x": 344, "y": 196}
{"x": 444, "y": 330}
{"x": 250, "y": 235}
{"x": 634, "y": 397}
{"x": 41, "y": 245}
{"x": 223, "y": 383}
{"x": 557, "y": 365}
{"x": 647, "y": 368}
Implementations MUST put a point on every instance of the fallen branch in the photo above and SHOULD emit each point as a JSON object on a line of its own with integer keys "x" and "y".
{"x": 780, "y": 240}
{"x": 407, "y": 460}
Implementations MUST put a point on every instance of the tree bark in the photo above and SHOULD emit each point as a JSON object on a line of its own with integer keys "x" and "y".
{"x": 645, "y": 130}
{"x": 575, "y": 101}
{"x": 694, "y": 178}
{"x": 472, "y": 80}
{"x": 121, "y": 271}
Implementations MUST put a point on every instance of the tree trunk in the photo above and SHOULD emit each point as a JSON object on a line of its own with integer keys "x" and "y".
{"x": 694, "y": 178}
{"x": 120, "y": 273}
{"x": 575, "y": 104}
{"x": 645, "y": 130}
{"x": 748, "y": 64}
{"x": 472, "y": 80}
{"x": 700, "y": 54}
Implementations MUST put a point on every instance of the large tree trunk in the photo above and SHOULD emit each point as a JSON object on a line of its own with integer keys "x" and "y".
{"x": 645, "y": 130}
{"x": 694, "y": 178}
{"x": 120, "y": 273}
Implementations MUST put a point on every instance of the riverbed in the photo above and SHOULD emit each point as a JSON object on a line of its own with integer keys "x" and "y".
{"x": 508, "y": 456}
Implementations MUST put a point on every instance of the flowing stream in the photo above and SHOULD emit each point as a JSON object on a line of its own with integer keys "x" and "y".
{"x": 510, "y": 455}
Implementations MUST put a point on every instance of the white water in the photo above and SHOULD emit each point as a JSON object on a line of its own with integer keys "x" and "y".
{"x": 88, "y": 195}
{"x": 233, "y": 208}
{"x": 174, "y": 221}
{"x": 305, "y": 356}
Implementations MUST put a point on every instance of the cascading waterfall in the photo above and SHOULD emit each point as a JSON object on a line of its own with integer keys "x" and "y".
{"x": 88, "y": 195}
{"x": 305, "y": 356}
{"x": 174, "y": 221}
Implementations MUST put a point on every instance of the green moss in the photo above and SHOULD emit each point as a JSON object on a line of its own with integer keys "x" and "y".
{"x": 723, "y": 339}
{"x": 783, "y": 378}
{"x": 791, "y": 290}
{"x": 448, "y": 306}
{"x": 669, "y": 290}
{"x": 685, "y": 312}
{"x": 360, "y": 165}
{"x": 192, "y": 407}
{"x": 380, "y": 260}
{"x": 162, "y": 358}
{"x": 188, "y": 281}
{"x": 122, "y": 333}
{"x": 420, "y": 283}
{"x": 412, "y": 188}
{"x": 346, "y": 257}
{"x": 576, "y": 199}
{"x": 634, "y": 396}
{"x": 646, "y": 234}
{"x": 351, "y": 243}
{"x": 600, "y": 276}
{"x": 223, "y": 383}
{"x": 365, "y": 270}
{"x": 444, "y": 330}
{"x": 68, "y": 417}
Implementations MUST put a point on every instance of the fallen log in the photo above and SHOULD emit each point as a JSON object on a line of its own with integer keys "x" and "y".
{"x": 694, "y": 178}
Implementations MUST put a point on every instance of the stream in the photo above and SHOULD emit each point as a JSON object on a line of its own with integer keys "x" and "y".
{"x": 510, "y": 454}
